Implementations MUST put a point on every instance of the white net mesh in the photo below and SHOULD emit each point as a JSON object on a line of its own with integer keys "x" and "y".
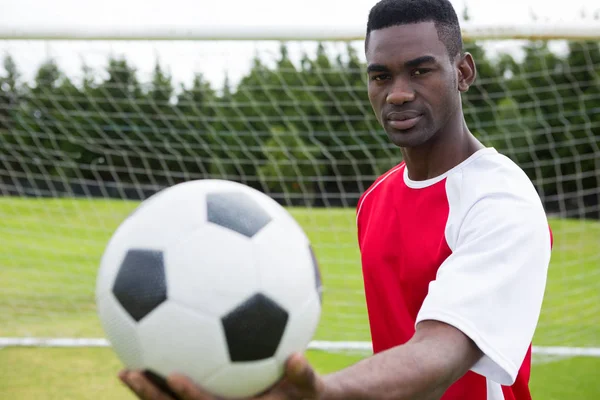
{"x": 88, "y": 129}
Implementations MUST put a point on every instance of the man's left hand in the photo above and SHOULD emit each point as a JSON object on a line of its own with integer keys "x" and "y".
{"x": 300, "y": 382}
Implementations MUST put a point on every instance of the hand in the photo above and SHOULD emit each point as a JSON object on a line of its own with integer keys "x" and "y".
{"x": 300, "y": 382}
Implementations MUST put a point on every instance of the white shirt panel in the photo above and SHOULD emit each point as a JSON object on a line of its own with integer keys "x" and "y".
{"x": 491, "y": 287}
{"x": 494, "y": 391}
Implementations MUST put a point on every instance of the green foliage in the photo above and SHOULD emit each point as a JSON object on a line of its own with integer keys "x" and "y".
{"x": 9, "y": 101}
{"x": 289, "y": 162}
{"x": 302, "y": 131}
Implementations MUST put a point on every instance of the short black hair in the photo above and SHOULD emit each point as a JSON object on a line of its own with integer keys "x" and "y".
{"x": 389, "y": 13}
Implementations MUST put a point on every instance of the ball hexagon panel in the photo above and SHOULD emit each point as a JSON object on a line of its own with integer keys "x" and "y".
{"x": 237, "y": 211}
{"x": 317, "y": 272}
{"x": 244, "y": 380}
{"x": 121, "y": 331}
{"x": 300, "y": 329}
{"x": 212, "y": 270}
{"x": 285, "y": 265}
{"x": 165, "y": 216}
{"x": 254, "y": 329}
{"x": 176, "y": 338}
{"x": 140, "y": 284}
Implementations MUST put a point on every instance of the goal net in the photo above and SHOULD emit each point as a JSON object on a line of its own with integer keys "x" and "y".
{"x": 91, "y": 123}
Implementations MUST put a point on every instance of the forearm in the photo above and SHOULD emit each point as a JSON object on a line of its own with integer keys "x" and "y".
{"x": 400, "y": 373}
{"x": 423, "y": 368}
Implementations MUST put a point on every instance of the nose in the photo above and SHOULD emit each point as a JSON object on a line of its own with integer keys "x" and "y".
{"x": 400, "y": 93}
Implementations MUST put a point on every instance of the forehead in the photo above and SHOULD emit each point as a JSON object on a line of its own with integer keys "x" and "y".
{"x": 400, "y": 43}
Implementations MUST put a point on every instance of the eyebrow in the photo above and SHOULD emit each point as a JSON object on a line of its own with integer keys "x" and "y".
{"x": 377, "y": 68}
{"x": 420, "y": 60}
{"x": 408, "y": 64}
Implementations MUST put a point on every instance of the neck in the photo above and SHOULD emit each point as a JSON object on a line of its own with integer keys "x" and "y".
{"x": 448, "y": 148}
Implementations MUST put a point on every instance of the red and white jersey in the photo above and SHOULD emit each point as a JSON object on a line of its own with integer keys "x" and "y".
{"x": 470, "y": 248}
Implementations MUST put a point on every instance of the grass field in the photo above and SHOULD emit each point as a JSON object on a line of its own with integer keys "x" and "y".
{"x": 51, "y": 250}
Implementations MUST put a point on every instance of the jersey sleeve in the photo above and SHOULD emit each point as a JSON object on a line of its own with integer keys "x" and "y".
{"x": 492, "y": 285}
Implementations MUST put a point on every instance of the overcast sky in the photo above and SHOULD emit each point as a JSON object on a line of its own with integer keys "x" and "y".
{"x": 148, "y": 13}
{"x": 260, "y": 12}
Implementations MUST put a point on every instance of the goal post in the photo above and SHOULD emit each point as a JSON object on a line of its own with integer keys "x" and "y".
{"x": 584, "y": 30}
{"x": 94, "y": 120}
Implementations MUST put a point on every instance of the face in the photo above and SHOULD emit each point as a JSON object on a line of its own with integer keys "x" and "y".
{"x": 414, "y": 86}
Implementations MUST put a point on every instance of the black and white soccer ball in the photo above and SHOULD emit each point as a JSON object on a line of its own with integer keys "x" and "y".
{"x": 212, "y": 279}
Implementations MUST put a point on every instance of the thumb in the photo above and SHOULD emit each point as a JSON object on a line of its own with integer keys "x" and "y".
{"x": 300, "y": 373}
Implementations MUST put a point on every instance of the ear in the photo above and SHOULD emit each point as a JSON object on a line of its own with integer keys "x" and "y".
{"x": 466, "y": 71}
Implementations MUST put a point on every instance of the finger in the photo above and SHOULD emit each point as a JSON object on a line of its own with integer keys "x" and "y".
{"x": 123, "y": 375}
{"x": 186, "y": 389}
{"x": 142, "y": 387}
{"x": 300, "y": 373}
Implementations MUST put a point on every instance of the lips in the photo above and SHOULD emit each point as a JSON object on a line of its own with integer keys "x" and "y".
{"x": 403, "y": 120}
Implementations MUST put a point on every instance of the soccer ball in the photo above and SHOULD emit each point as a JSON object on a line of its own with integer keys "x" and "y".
{"x": 212, "y": 279}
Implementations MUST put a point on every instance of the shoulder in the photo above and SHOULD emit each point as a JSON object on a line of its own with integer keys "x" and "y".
{"x": 490, "y": 193}
{"x": 383, "y": 179}
{"x": 490, "y": 175}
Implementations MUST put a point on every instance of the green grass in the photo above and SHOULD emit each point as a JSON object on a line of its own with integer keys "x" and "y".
{"x": 51, "y": 250}
{"x": 77, "y": 374}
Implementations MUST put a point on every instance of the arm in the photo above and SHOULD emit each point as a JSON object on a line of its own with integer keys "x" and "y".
{"x": 423, "y": 368}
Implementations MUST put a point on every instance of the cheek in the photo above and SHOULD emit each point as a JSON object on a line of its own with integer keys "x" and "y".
{"x": 375, "y": 99}
{"x": 372, "y": 92}
{"x": 443, "y": 94}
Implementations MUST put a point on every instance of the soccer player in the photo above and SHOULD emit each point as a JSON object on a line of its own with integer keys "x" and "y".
{"x": 454, "y": 240}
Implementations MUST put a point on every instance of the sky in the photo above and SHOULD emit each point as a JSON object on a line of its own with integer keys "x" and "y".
{"x": 214, "y": 58}
{"x": 259, "y": 12}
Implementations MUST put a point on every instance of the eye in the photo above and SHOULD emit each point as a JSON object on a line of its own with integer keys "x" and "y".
{"x": 379, "y": 77}
{"x": 420, "y": 71}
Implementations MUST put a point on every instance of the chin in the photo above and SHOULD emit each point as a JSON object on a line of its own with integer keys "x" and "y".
{"x": 408, "y": 138}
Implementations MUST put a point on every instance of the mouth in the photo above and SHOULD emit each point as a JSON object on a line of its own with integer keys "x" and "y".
{"x": 403, "y": 120}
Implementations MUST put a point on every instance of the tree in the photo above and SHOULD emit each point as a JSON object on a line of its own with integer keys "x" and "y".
{"x": 9, "y": 93}
{"x": 195, "y": 126}
{"x": 296, "y": 130}
{"x": 289, "y": 168}
{"x": 10, "y": 135}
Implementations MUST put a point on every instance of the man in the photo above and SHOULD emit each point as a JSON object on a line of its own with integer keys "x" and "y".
{"x": 454, "y": 241}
